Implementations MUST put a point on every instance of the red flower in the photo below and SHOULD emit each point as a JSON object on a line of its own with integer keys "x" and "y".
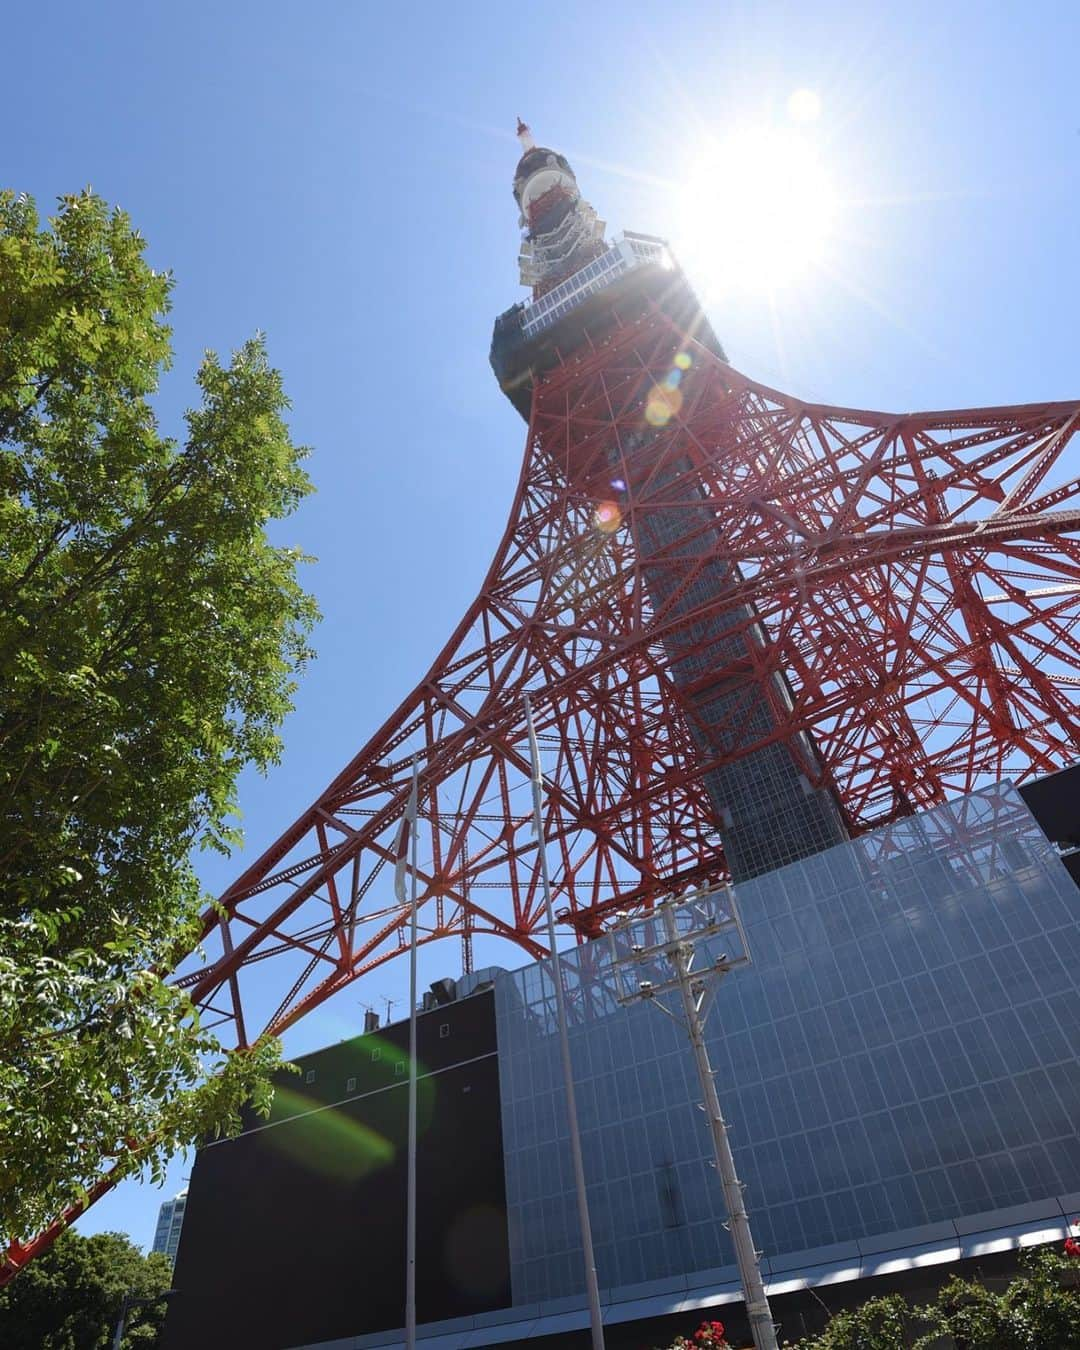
{"x": 1072, "y": 1247}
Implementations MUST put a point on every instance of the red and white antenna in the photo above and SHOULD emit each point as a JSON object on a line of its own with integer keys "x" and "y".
{"x": 525, "y": 136}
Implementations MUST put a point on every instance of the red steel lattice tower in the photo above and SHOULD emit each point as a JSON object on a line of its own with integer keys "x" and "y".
{"x": 751, "y": 627}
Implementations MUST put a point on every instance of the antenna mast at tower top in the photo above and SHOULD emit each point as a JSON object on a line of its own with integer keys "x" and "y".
{"x": 561, "y": 232}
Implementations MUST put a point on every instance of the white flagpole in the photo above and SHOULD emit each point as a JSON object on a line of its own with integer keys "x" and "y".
{"x": 591, "y": 1286}
{"x": 410, "y": 823}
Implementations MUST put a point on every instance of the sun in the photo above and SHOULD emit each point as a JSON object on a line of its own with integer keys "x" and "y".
{"x": 756, "y": 211}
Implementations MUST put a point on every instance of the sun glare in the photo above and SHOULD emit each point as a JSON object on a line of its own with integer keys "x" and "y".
{"x": 757, "y": 211}
{"x": 804, "y": 105}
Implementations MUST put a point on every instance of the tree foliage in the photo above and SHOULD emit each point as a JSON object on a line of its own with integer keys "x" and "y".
{"x": 70, "y": 1297}
{"x": 880, "y": 1324}
{"x": 150, "y": 633}
{"x": 1039, "y": 1310}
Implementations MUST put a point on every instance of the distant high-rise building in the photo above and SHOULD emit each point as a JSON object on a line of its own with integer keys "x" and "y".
{"x": 170, "y": 1221}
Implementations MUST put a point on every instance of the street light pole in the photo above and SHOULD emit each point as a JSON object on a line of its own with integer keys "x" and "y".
{"x": 130, "y": 1301}
{"x": 695, "y": 989}
{"x": 746, "y": 1257}
{"x": 592, "y": 1290}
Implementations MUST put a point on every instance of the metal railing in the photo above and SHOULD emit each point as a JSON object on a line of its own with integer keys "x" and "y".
{"x": 624, "y": 254}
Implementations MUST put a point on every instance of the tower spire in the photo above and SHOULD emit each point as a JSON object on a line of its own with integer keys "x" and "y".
{"x": 560, "y": 230}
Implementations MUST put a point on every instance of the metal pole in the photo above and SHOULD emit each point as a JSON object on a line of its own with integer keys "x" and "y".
{"x": 410, "y": 1224}
{"x": 121, "y": 1322}
{"x": 591, "y": 1286}
{"x": 130, "y": 1301}
{"x": 746, "y": 1257}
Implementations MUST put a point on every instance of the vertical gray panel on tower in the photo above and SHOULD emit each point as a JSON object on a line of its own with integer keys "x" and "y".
{"x": 768, "y": 809}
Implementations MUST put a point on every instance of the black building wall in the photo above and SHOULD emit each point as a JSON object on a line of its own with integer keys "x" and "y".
{"x": 1054, "y": 801}
{"x": 295, "y": 1231}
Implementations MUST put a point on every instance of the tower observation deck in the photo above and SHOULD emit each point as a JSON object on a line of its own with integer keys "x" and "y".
{"x": 772, "y": 806}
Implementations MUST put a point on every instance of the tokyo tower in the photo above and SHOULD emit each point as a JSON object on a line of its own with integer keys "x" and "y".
{"x": 751, "y": 627}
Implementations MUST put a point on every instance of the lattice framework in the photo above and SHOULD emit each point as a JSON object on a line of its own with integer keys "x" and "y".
{"x": 915, "y": 577}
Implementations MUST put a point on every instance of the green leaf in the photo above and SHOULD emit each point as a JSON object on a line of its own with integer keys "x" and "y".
{"x": 150, "y": 638}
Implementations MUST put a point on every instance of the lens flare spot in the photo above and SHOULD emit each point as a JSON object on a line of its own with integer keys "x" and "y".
{"x": 607, "y": 517}
{"x": 683, "y": 360}
{"x": 662, "y": 405}
{"x": 325, "y": 1140}
{"x": 618, "y": 485}
{"x": 673, "y": 379}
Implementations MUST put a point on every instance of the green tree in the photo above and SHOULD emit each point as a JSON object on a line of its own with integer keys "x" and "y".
{"x": 1040, "y": 1309}
{"x": 69, "y": 1298}
{"x": 150, "y": 634}
{"x": 880, "y": 1324}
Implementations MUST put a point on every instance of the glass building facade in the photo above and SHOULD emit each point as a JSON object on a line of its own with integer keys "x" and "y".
{"x": 902, "y": 1049}
{"x": 169, "y": 1224}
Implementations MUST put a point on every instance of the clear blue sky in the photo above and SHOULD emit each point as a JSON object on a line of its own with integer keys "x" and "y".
{"x": 338, "y": 175}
